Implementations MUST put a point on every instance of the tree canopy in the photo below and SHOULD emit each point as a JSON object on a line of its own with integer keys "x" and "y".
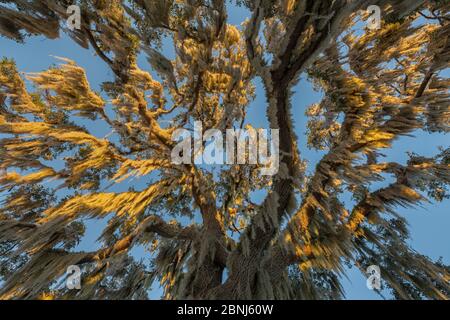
{"x": 206, "y": 237}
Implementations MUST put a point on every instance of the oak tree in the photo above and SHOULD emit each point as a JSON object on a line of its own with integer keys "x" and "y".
{"x": 206, "y": 237}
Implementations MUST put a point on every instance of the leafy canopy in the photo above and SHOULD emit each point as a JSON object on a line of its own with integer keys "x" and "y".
{"x": 199, "y": 223}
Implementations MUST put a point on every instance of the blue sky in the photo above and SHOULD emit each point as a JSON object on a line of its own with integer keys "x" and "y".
{"x": 429, "y": 224}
